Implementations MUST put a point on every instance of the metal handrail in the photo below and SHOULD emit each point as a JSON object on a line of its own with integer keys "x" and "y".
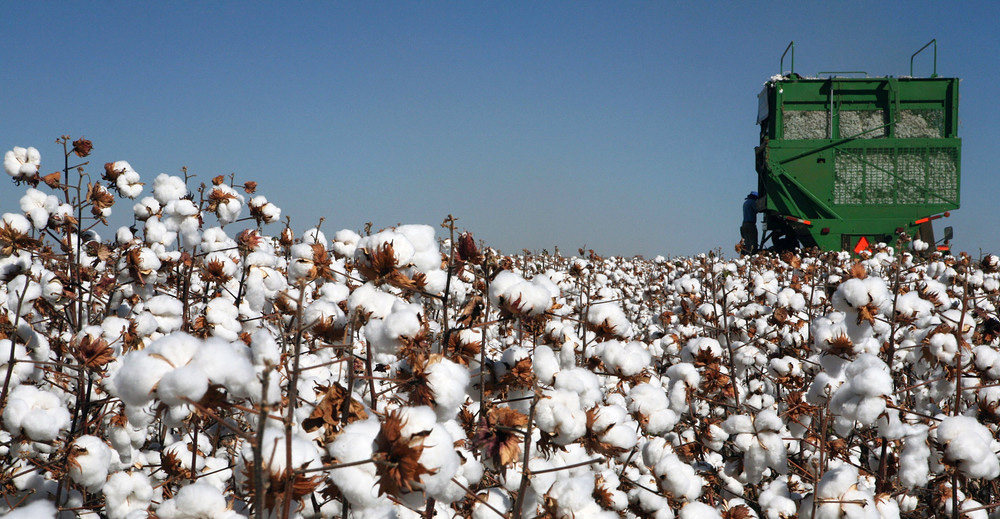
{"x": 781, "y": 69}
{"x": 934, "y": 41}
{"x": 842, "y": 72}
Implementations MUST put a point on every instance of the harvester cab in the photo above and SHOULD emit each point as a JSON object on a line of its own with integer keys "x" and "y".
{"x": 847, "y": 160}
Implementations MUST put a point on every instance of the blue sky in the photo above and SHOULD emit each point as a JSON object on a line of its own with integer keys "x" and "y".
{"x": 623, "y": 127}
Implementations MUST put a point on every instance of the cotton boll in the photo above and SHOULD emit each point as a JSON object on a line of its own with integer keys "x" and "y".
{"x": 518, "y": 296}
{"x": 38, "y": 206}
{"x": 22, "y": 369}
{"x": 223, "y": 317}
{"x": 559, "y": 413}
{"x": 698, "y": 510}
{"x": 494, "y": 497}
{"x": 358, "y": 483}
{"x": 609, "y": 318}
{"x": 370, "y": 302}
{"x": 626, "y": 359}
{"x": 426, "y": 256}
{"x": 89, "y": 460}
{"x": 776, "y": 501}
{"x": 22, "y": 162}
{"x": 264, "y": 349}
{"x": 197, "y": 500}
{"x": 862, "y": 396}
{"x": 228, "y": 203}
{"x": 135, "y": 382}
{"x": 40, "y": 509}
{"x": 545, "y": 364}
{"x": 264, "y": 211}
{"x": 228, "y": 364}
{"x": 345, "y": 242}
{"x": 448, "y": 382}
{"x": 146, "y": 208}
{"x": 614, "y": 427}
{"x": 39, "y": 414}
{"x": 968, "y": 444}
{"x": 125, "y": 493}
{"x": 698, "y": 345}
{"x": 582, "y": 382}
{"x": 168, "y": 311}
{"x": 187, "y": 382}
{"x": 167, "y": 188}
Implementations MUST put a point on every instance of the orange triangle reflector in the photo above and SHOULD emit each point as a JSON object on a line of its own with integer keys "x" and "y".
{"x": 862, "y": 245}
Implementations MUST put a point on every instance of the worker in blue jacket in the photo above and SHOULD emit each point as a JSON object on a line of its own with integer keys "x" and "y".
{"x": 749, "y": 228}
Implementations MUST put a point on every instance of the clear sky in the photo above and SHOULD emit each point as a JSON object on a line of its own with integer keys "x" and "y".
{"x": 623, "y": 127}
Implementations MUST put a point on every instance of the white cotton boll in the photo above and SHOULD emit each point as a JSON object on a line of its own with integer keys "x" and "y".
{"x": 678, "y": 478}
{"x": 228, "y": 364}
{"x": 943, "y": 346}
{"x": 265, "y": 348}
{"x": 38, "y": 206}
{"x": 326, "y": 312}
{"x": 135, "y": 381}
{"x": 358, "y": 483}
{"x": 545, "y": 364}
{"x": 699, "y": 344}
{"x": 654, "y": 504}
{"x": 698, "y": 510}
{"x": 184, "y": 383}
{"x": 573, "y": 495}
{"x": 627, "y": 359}
{"x": 223, "y": 316}
{"x": 644, "y": 398}
{"x": 178, "y": 348}
{"x": 264, "y": 210}
{"x": 367, "y": 300}
{"x": 126, "y": 493}
{"x": 370, "y": 245}
{"x": 517, "y": 295}
{"x": 495, "y": 498}
{"x": 618, "y": 429}
{"x": 230, "y": 203}
{"x": 21, "y": 369}
{"x": 559, "y": 413}
{"x": 40, "y": 509}
{"x": 440, "y": 458}
{"x": 89, "y": 460}
{"x": 345, "y": 242}
{"x": 851, "y": 294}
{"x": 22, "y": 162}
{"x": 448, "y": 382}
{"x": 124, "y": 236}
{"x": 197, "y": 500}
{"x": 610, "y": 316}
{"x": 128, "y": 183}
{"x": 16, "y": 222}
{"x": 168, "y": 311}
{"x": 987, "y": 359}
{"x": 583, "y": 382}
{"x": 167, "y": 188}
{"x": 146, "y": 208}
{"x": 426, "y": 256}
{"x": 40, "y": 414}
{"x": 776, "y": 501}
{"x": 314, "y": 235}
{"x": 969, "y": 444}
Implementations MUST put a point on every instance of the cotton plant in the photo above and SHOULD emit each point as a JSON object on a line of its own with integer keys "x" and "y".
{"x": 561, "y": 384}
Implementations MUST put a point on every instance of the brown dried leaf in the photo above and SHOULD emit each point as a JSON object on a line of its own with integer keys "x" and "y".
{"x": 397, "y": 458}
{"x": 329, "y": 413}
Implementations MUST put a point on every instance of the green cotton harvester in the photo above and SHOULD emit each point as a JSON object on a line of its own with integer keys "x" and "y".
{"x": 846, "y": 160}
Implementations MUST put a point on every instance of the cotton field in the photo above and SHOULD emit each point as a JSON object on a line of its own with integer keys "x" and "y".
{"x": 215, "y": 361}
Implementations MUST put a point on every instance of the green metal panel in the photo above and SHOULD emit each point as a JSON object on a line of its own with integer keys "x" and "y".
{"x": 858, "y": 156}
